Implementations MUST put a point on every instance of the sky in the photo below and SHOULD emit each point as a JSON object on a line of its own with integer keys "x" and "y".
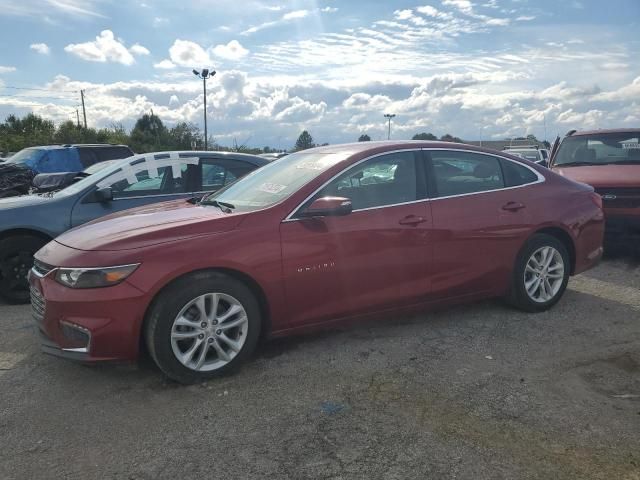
{"x": 486, "y": 69}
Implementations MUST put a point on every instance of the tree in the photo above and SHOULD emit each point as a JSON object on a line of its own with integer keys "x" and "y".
{"x": 149, "y": 134}
{"x": 364, "y": 138}
{"x": 305, "y": 141}
{"x": 424, "y": 136}
{"x": 184, "y": 136}
{"x": 450, "y": 138}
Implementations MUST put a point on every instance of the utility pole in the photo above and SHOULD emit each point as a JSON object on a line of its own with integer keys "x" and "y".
{"x": 84, "y": 112}
{"x": 78, "y": 117}
{"x": 389, "y": 116}
{"x": 545, "y": 127}
{"x": 204, "y": 75}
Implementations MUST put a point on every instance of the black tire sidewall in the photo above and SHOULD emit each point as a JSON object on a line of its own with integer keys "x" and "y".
{"x": 14, "y": 245}
{"x": 520, "y": 297}
{"x": 172, "y": 299}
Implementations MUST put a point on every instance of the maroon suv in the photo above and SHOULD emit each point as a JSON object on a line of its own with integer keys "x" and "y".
{"x": 609, "y": 161}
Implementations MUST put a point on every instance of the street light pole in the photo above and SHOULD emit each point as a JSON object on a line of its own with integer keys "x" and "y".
{"x": 389, "y": 116}
{"x": 204, "y": 75}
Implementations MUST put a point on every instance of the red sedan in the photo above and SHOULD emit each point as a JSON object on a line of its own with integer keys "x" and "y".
{"x": 320, "y": 236}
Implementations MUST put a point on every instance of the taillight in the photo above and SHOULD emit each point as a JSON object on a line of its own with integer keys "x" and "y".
{"x": 597, "y": 199}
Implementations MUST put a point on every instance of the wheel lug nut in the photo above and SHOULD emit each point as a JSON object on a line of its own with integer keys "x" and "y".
{"x": 210, "y": 340}
{"x": 203, "y": 324}
{"x": 215, "y": 322}
{"x": 218, "y": 332}
{"x": 201, "y": 336}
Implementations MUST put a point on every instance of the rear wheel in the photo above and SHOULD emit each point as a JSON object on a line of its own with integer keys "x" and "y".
{"x": 16, "y": 259}
{"x": 202, "y": 326}
{"x": 540, "y": 275}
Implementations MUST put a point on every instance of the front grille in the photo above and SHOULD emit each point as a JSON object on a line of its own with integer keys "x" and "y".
{"x": 38, "y": 304}
{"x": 620, "y": 197}
{"x": 40, "y": 268}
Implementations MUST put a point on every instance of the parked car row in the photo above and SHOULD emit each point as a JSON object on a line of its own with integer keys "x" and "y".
{"x": 29, "y": 222}
{"x": 324, "y": 235}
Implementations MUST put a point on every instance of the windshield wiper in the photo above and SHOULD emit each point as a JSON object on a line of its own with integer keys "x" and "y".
{"x": 224, "y": 206}
{"x": 625, "y": 162}
{"x": 576, "y": 164}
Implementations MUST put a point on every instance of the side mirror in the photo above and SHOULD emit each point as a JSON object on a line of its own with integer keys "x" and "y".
{"x": 328, "y": 207}
{"x": 102, "y": 195}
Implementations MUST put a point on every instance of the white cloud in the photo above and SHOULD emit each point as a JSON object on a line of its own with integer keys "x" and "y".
{"x": 105, "y": 48}
{"x": 525, "y": 18}
{"x": 186, "y": 53}
{"x": 296, "y": 14}
{"x": 165, "y": 65}
{"x": 160, "y": 21}
{"x": 231, "y": 51}
{"x": 138, "y": 49}
{"x": 329, "y": 10}
{"x": 5, "y": 69}
{"x": 41, "y": 48}
{"x": 65, "y": 8}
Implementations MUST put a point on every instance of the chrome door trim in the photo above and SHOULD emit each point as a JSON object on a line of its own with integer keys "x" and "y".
{"x": 540, "y": 179}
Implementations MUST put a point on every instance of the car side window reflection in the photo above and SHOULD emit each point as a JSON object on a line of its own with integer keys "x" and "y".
{"x": 148, "y": 184}
{"x": 385, "y": 180}
{"x": 459, "y": 173}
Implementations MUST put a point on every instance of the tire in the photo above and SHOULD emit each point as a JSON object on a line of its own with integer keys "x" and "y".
{"x": 187, "y": 299}
{"x": 16, "y": 259}
{"x": 547, "y": 294}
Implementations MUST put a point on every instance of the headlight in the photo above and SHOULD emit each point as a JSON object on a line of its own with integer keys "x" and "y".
{"x": 94, "y": 277}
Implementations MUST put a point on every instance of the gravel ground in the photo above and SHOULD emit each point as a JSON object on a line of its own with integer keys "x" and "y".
{"x": 475, "y": 392}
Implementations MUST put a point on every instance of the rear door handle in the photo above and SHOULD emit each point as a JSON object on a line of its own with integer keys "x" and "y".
{"x": 513, "y": 206}
{"x": 412, "y": 220}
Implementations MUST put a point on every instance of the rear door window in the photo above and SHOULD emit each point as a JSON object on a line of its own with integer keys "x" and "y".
{"x": 112, "y": 153}
{"x": 461, "y": 173}
{"x": 218, "y": 172}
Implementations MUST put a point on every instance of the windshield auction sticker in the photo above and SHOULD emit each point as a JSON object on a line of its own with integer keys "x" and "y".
{"x": 631, "y": 146}
{"x": 271, "y": 188}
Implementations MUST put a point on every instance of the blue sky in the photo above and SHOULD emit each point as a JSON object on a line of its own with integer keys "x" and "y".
{"x": 486, "y": 68}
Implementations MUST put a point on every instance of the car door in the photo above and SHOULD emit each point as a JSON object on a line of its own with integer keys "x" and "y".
{"x": 380, "y": 255}
{"x": 479, "y": 221}
{"x": 156, "y": 179}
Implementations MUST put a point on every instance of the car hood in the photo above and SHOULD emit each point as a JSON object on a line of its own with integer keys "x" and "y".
{"x": 149, "y": 225}
{"x": 603, "y": 175}
{"x": 23, "y": 201}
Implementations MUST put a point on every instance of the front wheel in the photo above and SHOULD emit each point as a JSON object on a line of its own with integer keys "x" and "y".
{"x": 16, "y": 259}
{"x": 202, "y": 326}
{"x": 540, "y": 275}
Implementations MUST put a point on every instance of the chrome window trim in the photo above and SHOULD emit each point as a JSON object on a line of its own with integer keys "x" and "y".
{"x": 540, "y": 179}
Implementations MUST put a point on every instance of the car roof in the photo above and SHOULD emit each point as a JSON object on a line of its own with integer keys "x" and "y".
{"x": 75, "y": 145}
{"x": 391, "y": 145}
{"x": 609, "y": 130}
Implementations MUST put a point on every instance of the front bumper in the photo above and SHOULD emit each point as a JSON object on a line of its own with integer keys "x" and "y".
{"x": 88, "y": 325}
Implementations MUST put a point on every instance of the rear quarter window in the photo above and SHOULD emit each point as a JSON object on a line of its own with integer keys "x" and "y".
{"x": 515, "y": 174}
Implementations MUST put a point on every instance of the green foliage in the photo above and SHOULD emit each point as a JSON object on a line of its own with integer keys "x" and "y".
{"x": 424, "y": 136}
{"x": 450, "y": 138}
{"x": 305, "y": 141}
{"x": 364, "y": 138}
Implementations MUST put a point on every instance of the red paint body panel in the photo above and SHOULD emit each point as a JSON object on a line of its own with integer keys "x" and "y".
{"x": 315, "y": 271}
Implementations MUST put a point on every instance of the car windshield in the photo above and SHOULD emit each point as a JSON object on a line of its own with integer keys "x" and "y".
{"x": 275, "y": 181}
{"x": 90, "y": 180}
{"x": 28, "y": 155}
{"x": 599, "y": 149}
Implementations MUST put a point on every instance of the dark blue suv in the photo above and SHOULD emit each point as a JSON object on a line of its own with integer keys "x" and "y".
{"x": 17, "y": 171}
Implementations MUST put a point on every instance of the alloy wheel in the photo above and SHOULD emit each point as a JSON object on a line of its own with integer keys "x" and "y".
{"x": 544, "y": 274}
{"x": 209, "y": 331}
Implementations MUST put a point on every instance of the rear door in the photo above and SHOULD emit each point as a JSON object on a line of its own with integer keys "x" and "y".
{"x": 378, "y": 256}
{"x": 145, "y": 181}
{"x": 479, "y": 221}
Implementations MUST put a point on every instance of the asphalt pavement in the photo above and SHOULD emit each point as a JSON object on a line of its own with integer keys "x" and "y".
{"x": 474, "y": 392}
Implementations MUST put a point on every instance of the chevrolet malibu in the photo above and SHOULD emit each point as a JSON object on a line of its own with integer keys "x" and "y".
{"x": 325, "y": 235}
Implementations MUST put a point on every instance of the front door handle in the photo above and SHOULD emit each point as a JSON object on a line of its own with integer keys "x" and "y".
{"x": 412, "y": 220}
{"x": 513, "y": 206}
